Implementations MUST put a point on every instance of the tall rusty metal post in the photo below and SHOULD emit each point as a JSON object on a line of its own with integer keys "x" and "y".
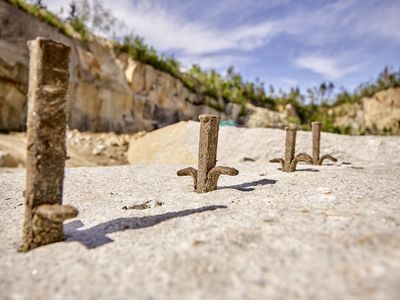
{"x": 316, "y": 140}
{"x": 316, "y": 143}
{"x": 46, "y": 147}
{"x": 290, "y": 147}
{"x": 208, "y": 143}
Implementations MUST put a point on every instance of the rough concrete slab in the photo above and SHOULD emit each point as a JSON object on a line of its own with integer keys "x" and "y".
{"x": 324, "y": 232}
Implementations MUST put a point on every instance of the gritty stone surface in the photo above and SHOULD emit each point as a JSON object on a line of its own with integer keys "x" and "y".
{"x": 323, "y": 232}
{"x": 179, "y": 144}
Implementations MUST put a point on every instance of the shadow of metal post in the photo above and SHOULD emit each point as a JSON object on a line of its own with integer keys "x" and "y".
{"x": 96, "y": 236}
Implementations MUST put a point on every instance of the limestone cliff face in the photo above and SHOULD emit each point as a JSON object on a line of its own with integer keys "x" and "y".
{"x": 164, "y": 99}
{"x": 106, "y": 93}
{"x": 379, "y": 114}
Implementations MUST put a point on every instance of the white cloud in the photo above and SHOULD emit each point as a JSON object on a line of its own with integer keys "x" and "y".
{"x": 241, "y": 10}
{"x": 193, "y": 41}
{"x": 169, "y": 27}
{"x": 218, "y": 62}
{"x": 197, "y": 31}
{"x": 327, "y": 66}
{"x": 382, "y": 22}
{"x": 344, "y": 22}
{"x": 167, "y": 30}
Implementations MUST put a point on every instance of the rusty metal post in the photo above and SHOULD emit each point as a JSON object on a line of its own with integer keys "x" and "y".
{"x": 290, "y": 146}
{"x": 316, "y": 140}
{"x": 46, "y": 148}
{"x": 206, "y": 177}
{"x": 208, "y": 143}
{"x": 290, "y": 161}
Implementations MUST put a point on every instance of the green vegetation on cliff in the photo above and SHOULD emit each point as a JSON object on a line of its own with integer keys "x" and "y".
{"x": 387, "y": 79}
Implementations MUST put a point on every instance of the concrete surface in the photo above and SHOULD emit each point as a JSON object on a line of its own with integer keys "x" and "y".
{"x": 329, "y": 232}
{"x": 324, "y": 232}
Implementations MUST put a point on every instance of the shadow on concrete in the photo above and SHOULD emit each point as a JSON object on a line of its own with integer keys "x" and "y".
{"x": 249, "y": 186}
{"x": 307, "y": 170}
{"x": 96, "y": 236}
{"x": 302, "y": 170}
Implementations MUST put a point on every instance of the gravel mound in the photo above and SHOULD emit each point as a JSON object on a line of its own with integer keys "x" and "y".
{"x": 178, "y": 143}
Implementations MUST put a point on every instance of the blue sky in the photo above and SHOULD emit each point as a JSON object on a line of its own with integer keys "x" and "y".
{"x": 283, "y": 42}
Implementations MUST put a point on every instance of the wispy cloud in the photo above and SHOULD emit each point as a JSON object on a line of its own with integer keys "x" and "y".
{"x": 219, "y": 62}
{"x": 344, "y": 21}
{"x": 167, "y": 30}
{"x": 240, "y": 11}
{"x": 252, "y": 35}
{"x": 329, "y": 67}
{"x": 382, "y": 21}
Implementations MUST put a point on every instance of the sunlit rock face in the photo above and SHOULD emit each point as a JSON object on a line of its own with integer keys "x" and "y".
{"x": 163, "y": 99}
{"x": 379, "y": 114}
{"x": 262, "y": 117}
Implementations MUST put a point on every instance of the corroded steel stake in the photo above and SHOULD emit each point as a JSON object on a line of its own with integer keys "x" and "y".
{"x": 290, "y": 161}
{"x": 316, "y": 141}
{"x": 290, "y": 147}
{"x": 206, "y": 177}
{"x": 46, "y": 150}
